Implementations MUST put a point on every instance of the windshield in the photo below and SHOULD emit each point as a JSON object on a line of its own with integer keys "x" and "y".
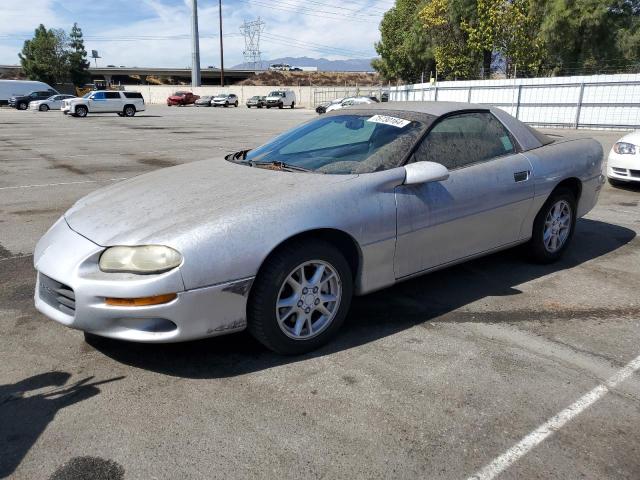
{"x": 180, "y": 94}
{"x": 205, "y": 98}
{"x": 276, "y": 94}
{"x": 86, "y": 95}
{"x": 342, "y": 144}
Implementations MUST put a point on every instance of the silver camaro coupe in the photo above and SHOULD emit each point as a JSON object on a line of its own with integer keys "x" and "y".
{"x": 278, "y": 239}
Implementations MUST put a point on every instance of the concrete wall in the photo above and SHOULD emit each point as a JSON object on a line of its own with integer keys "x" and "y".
{"x": 159, "y": 93}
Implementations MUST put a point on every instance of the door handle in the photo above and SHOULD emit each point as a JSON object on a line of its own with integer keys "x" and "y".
{"x": 521, "y": 176}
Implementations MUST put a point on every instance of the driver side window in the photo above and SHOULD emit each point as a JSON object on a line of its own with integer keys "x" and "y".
{"x": 465, "y": 139}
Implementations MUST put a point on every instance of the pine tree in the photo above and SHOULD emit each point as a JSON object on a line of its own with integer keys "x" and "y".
{"x": 78, "y": 64}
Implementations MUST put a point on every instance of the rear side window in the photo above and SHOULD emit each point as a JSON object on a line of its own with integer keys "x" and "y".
{"x": 113, "y": 95}
{"x": 465, "y": 139}
{"x": 135, "y": 95}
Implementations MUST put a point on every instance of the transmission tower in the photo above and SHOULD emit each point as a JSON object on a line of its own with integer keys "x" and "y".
{"x": 251, "y": 32}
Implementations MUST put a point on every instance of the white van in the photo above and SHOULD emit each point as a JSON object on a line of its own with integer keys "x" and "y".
{"x": 13, "y": 88}
{"x": 281, "y": 98}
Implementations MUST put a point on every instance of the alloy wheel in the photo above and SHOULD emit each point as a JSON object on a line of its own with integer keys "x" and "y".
{"x": 557, "y": 226}
{"x": 308, "y": 300}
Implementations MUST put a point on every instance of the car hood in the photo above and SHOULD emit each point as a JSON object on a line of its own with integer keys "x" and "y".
{"x": 220, "y": 98}
{"x": 176, "y": 97}
{"x": 166, "y": 206}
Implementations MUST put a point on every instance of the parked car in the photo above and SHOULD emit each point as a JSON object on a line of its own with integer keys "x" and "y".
{"x": 204, "y": 101}
{"x": 623, "y": 165}
{"x": 19, "y": 88}
{"x": 257, "y": 101}
{"x": 281, "y": 98}
{"x": 181, "y": 99}
{"x": 397, "y": 190}
{"x": 280, "y": 67}
{"x": 225, "y": 100}
{"x": 21, "y": 102}
{"x": 322, "y": 108}
{"x": 125, "y": 104}
{"x": 348, "y": 102}
{"x": 54, "y": 102}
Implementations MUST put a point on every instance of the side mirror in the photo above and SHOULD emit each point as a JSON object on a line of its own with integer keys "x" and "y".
{"x": 425, "y": 172}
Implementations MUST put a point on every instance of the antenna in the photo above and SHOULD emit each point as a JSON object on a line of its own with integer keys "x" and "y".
{"x": 251, "y": 31}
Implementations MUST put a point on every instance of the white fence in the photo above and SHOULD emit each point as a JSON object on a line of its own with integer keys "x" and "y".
{"x": 601, "y": 101}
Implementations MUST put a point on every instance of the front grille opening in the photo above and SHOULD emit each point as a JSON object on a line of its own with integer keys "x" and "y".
{"x": 58, "y": 295}
{"x": 635, "y": 173}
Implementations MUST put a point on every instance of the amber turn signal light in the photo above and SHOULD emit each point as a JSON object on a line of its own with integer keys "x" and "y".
{"x": 140, "y": 302}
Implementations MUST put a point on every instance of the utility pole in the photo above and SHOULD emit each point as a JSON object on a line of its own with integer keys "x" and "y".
{"x": 195, "y": 45}
{"x": 221, "y": 48}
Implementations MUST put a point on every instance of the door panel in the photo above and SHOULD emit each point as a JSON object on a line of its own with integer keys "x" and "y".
{"x": 479, "y": 208}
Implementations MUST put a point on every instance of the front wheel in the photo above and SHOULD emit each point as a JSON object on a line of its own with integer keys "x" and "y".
{"x": 44, "y": 108}
{"x": 293, "y": 105}
{"x": 22, "y": 106}
{"x": 280, "y": 105}
{"x": 553, "y": 227}
{"x": 236, "y": 105}
{"x": 300, "y": 297}
{"x": 81, "y": 111}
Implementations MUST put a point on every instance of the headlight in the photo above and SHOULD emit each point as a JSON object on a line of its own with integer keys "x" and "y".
{"x": 624, "y": 148}
{"x": 142, "y": 259}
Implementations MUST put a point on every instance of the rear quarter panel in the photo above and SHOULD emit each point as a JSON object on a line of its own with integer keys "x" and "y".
{"x": 562, "y": 160}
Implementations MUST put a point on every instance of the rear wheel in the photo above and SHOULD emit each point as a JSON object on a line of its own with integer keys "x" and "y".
{"x": 81, "y": 111}
{"x": 553, "y": 227}
{"x": 300, "y": 297}
{"x": 129, "y": 111}
{"x": 44, "y": 108}
{"x": 280, "y": 105}
{"x": 293, "y": 105}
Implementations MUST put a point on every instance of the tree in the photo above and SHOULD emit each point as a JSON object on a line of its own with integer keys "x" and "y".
{"x": 44, "y": 57}
{"x": 510, "y": 29}
{"x": 453, "y": 58}
{"x": 404, "y": 48}
{"x": 78, "y": 64}
{"x": 591, "y": 34}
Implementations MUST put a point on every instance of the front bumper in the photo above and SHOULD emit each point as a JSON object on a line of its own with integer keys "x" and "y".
{"x": 624, "y": 167}
{"x": 71, "y": 290}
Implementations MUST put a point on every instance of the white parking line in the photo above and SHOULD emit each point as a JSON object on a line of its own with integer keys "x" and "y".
{"x": 554, "y": 424}
{"x": 63, "y": 183}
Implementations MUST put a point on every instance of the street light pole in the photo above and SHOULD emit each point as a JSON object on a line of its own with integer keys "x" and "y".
{"x": 195, "y": 45}
{"x": 221, "y": 49}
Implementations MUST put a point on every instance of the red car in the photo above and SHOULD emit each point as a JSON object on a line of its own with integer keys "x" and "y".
{"x": 182, "y": 98}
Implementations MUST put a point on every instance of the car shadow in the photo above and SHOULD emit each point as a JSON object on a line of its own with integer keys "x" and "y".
{"x": 380, "y": 314}
{"x": 28, "y": 406}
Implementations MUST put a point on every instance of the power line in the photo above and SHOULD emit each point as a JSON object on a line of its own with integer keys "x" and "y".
{"x": 338, "y": 50}
{"x": 309, "y": 12}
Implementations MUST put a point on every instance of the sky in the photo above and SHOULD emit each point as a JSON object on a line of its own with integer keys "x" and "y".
{"x": 156, "y": 33}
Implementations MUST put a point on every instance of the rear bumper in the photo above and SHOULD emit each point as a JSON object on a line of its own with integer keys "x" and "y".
{"x": 71, "y": 290}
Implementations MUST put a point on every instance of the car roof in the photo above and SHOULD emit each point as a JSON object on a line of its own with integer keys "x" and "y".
{"x": 525, "y": 135}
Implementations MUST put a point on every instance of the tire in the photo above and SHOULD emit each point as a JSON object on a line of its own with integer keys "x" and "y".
{"x": 548, "y": 251}
{"x": 272, "y": 284}
{"x": 22, "y": 106}
{"x": 44, "y": 108}
{"x": 280, "y": 105}
{"x": 129, "y": 111}
{"x": 81, "y": 111}
{"x": 236, "y": 104}
{"x": 268, "y": 107}
{"x": 293, "y": 105}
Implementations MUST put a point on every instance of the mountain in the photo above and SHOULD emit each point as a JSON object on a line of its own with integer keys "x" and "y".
{"x": 350, "y": 65}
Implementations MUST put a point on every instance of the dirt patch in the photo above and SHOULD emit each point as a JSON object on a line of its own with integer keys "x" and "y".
{"x": 157, "y": 162}
{"x": 95, "y": 468}
{"x": 331, "y": 79}
{"x": 4, "y": 253}
{"x": 36, "y": 211}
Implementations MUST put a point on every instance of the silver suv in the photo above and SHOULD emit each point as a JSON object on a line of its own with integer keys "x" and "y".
{"x": 125, "y": 104}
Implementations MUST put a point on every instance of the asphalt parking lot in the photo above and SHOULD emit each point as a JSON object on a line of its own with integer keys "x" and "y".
{"x": 435, "y": 378}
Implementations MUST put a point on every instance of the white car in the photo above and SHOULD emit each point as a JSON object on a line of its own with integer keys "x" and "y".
{"x": 349, "y": 101}
{"x": 125, "y": 104}
{"x": 54, "y": 102}
{"x": 225, "y": 100}
{"x": 281, "y": 99}
{"x": 624, "y": 160}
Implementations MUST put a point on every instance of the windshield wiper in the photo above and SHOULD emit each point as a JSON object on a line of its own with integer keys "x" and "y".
{"x": 241, "y": 155}
{"x": 281, "y": 166}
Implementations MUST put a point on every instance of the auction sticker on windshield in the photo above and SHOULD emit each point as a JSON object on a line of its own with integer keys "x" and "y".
{"x": 387, "y": 120}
